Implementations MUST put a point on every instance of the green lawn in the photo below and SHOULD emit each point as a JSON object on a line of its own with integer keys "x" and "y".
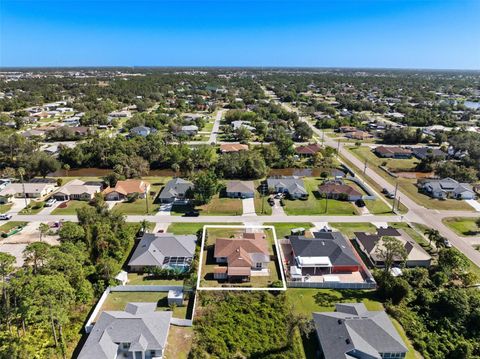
{"x": 179, "y": 342}
{"x": 4, "y": 208}
{"x": 463, "y": 226}
{"x": 378, "y": 207}
{"x": 71, "y": 208}
{"x": 348, "y": 229}
{"x": 316, "y": 205}
{"x": 11, "y": 224}
{"x": 33, "y": 207}
{"x": 393, "y": 164}
{"x": 118, "y": 301}
{"x": 284, "y": 229}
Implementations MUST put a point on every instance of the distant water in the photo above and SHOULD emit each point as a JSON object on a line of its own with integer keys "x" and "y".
{"x": 472, "y": 105}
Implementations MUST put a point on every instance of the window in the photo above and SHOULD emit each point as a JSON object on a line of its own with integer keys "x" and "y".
{"x": 259, "y": 265}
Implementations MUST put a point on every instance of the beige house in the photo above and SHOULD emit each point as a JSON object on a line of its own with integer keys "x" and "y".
{"x": 32, "y": 190}
{"x": 77, "y": 190}
{"x": 125, "y": 188}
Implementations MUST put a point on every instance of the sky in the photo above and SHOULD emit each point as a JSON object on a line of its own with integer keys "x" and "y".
{"x": 431, "y": 34}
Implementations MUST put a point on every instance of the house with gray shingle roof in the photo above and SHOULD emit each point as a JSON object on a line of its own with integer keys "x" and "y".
{"x": 291, "y": 185}
{"x": 447, "y": 188}
{"x": 137, "y": 332}
{"x": 240, "y": 189}
{"x": 163, "y": 250}
{"x": 175, "y": 190}
{"x": 352, "y": 331}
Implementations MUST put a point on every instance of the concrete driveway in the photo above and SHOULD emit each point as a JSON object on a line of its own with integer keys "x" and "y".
{"x": 277, "y": 209}
{"x": 248, "y": 207}
{"x": 474, "y": 203}
{"x": 165, "y": 209}
{"x": 18, "y": 205}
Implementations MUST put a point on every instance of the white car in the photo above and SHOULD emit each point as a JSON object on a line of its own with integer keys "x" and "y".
{"x": 50, "y": 202}
{"x": 447, "y": 243}
{"x": 5, "y": 216}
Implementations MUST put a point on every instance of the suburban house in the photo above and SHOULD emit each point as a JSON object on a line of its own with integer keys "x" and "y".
{"x": 339, "y": 190}
{"x": 32, "y": 190}
{"x": 393, "y": 152}
{"x": 142, "y": 131}
{"x": 232, "y": 147}
{"x": 245, "y": 124}
{"x": 189, "y": 130}
{"x": 446, "y": 188}
{"x": 352, "y": 331}
{"x": 423, "y": 152}
{"x": 4, "y": 183}
{"x": 240, "y": 189}
{"x": 293, "y": 186}
{"x": 358, "y": 135}
{"x": 125, "y": 188}
{"x": 308, "y": 150}
{"x": 175, "y": 190}
{"x": 78, "y": 190}
{"x": 163, "y": 250}
{"x": 240, "y": 258}
{"x": 325, "y": 253}
{"x": 371, "y": 243}
{"x": 347, "y": 129}
{"x": 138, "y": 332}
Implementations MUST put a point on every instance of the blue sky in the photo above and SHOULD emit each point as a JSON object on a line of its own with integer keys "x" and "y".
{"x": 440, "y": 34}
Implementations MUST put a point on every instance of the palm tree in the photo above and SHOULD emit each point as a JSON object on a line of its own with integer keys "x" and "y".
{"x": 66, "y": 167}
{"x": 439, "y": 242}
{"x": 21, "y": 173}
{"x": 144, "y": 224}
{"x": 43, "y": 228}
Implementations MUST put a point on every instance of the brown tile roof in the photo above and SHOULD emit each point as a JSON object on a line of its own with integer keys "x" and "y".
{"x": 233, "y": 147}
{"x": 308, "y": 149}
{"x": 245, "y": 271}
{"x": 239, "y": 258}
{"x": 128, "y": 186}
{"x": 226, "y": 246}
{"x": 219, "y": 270}
{"x": 338, "y": 189}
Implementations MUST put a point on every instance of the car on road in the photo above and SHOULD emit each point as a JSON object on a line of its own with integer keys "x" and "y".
{"x": 385, "y": 191}
{"x": 50, "y": 202}
{"x": 5, "y": 216}
{"x": 390, "y": 195}
{"x": 360, "y": 203}
{"x": 447, "y": 243}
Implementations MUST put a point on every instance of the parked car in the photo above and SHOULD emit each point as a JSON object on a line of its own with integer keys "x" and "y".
{"x": 50, "y": 202}
{"x": 360, "y": 203}
{"x": 271, "y": 202}
{"x": 390, "y": 195}
{"x": 447, "y": 243}
{"x": 192, "y": 214}
{"x": 5, "y": 216}
{"x": 385, "y": 191}
{"x": 279, "y": 196}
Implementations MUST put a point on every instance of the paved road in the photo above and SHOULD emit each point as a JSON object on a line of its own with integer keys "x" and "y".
{"x": 416, "y": 213}
{"x": 222, "y": 219}
{"x": 216, "y": 127}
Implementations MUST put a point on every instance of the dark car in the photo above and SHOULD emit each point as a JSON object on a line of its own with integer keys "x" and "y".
{"x": 192, "y": 214}
{"x": 360, "y": 203}
{"x": 384, "y": 190}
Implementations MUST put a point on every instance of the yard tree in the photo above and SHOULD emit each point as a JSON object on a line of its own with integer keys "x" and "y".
{"x": 36, "y": 255}
{"x": 205, "y": 186}
{"x": 432, "y": 235}
{"x": 303, "y": 132}
{"x": 391, "y": 250}
{"x": 71, "y": 231}
{"x": 46, "y": 164}
{"x": 43, "y": 229}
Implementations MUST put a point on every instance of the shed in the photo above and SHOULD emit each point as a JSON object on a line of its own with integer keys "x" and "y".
{"x": 175, "y": 297}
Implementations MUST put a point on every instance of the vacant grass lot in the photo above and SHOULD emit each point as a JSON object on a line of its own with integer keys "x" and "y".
{"x": 284, "y": 229}
{"x": 393, "y": 164}
{"x": 71, "y": 208}
{"x": 316, "y": 205}
{"x": 463, "y": 226}
{"x": 179, "y": 342}
{"x": 190, "y": 228}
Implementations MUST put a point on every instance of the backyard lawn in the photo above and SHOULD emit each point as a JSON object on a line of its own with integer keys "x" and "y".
{"x": 71, "y": 207}
{"x": 143, "y": 279}
{"x": 316, "y": 205}
{"x": 4, "y": 208}
{"x": 118, "y": 301}
{"x": 179, "y": 342}
{"x": 463, "y": 226}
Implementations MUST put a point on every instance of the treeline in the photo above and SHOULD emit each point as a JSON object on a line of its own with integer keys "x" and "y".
{"x": 44, "y": 303}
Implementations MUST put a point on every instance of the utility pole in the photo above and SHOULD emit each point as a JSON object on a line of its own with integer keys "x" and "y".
{"x": 338, "y": 147}
{"x": 146, "y": 197}
{"x": 394, "y": 197}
